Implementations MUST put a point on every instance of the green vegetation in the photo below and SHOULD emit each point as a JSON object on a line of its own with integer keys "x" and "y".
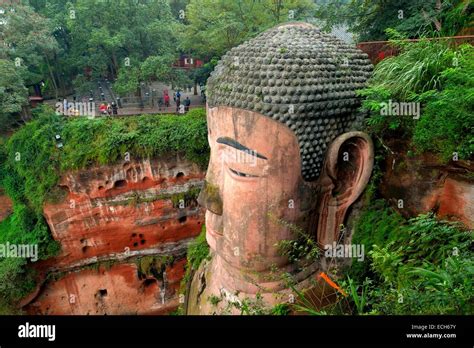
{"x": 153, "y": 266}
{"x": 28, "y": 45}
{"x": 447, "y": 122}
{"x": 376, "y": 226}
{"x": 215, "y": 26}
{"x": 24, "y": 226}
{"x": 16, "y": 282}
{"x": 64, "y": 47}
{"x": 303, "y": 249}
{"x": 214, "y": 300}
{"x": 432, "y": 74}
{"x": 281, "y": 309}
{"x": 414, "y": 18}
{"x": 32, "y": 163}
{"x": 419, "y": 266}
{"x": 198, "y": 251}
{"x": 416, "y": 266}
{"x": 106, "y": 140}
{"x": 187, "y": 198}
{"x": 13, "y": 93}
{"x": 64, "y": 44}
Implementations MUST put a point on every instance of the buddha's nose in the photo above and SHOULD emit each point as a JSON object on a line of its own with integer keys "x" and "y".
{"x": 210, "y": 198}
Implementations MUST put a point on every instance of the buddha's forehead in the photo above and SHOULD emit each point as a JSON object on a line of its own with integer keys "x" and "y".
{"x": 253, "y": 130}
{"x": 299, "y": 77}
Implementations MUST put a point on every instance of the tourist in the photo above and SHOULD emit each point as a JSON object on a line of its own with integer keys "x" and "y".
{"x": 114, "y": 109}
{"x": 178, "y": 103}
{"x": 187, "y": 102}
{"x": 167, "y": 100}
{"x": 103, "y": 109}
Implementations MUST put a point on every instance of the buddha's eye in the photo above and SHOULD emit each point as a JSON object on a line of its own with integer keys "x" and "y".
{"x": 245, "y": 175}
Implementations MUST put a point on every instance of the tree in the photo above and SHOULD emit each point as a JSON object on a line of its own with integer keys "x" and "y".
{"x": 114, "y": 38}
{"x": 28, "y": 41}
{"x": 13, "y": 93}
{"x": 215, "y": 26}
{"x": 412, "y": 18}
{"x": 200, "y": 75}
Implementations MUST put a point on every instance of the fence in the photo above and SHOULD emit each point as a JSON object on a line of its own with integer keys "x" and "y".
{"x": 378, "y": 50}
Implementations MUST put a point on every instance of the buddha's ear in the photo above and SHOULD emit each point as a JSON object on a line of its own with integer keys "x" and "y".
{"x": 347, "y": 169}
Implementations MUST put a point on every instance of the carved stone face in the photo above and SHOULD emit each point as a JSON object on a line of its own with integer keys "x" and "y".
{"x": 256, "y": 197}
{"x": 255, "y": 173}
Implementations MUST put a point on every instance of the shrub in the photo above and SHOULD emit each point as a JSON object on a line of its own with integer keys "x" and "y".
{"x": 441, "y": 79}
{"x": 447, "y": 122}
{"x": 415, "y": 266}
{"x": 198, "y": 251}
{"x": 418, "y": 68}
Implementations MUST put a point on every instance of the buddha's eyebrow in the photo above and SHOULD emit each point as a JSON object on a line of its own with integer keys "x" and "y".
{"x": 233, "y": 143}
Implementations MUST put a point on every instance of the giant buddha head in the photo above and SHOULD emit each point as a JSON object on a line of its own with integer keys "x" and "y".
{"x": 286, "y": 157}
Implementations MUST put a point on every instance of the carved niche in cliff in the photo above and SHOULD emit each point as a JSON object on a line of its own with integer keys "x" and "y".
{"x": 286, "y": 160}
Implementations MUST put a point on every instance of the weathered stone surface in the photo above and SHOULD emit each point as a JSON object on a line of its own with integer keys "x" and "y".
{"x": 116, "y": 215}
{"x": 424, "y": 185}
{"x": 125, "y": 207}
{"x": 117, "y": 290}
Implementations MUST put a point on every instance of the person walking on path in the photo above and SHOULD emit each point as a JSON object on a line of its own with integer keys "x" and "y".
{"x": 114, "y": 109}
{"x": 187, "y": 103}
{"x": 178, "y": 103}
{"x": 103, "y": 109}
{"x": 178, "y": 100}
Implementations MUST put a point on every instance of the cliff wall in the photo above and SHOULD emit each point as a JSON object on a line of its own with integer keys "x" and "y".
{"x": 123, "y": 230}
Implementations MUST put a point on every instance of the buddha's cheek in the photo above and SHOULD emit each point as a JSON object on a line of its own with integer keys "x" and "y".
{"x": 243, "y": 200}
{"x": 248, "y": 240}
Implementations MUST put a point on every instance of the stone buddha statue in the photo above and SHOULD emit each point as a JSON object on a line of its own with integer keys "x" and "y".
{"x": 286, "y": 159}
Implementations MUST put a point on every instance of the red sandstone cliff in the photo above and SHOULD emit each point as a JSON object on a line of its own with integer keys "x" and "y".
{"x": 423, "y": 184}
{"x": 120, "y": 215}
